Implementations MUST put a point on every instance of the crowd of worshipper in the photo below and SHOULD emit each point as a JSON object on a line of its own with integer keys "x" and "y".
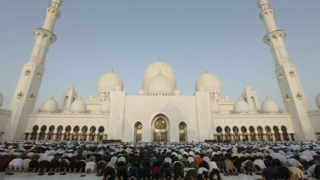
{"x": 163, "y": 160}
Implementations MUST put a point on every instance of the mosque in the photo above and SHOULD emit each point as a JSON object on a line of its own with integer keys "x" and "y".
{"x": 159, "y": 112}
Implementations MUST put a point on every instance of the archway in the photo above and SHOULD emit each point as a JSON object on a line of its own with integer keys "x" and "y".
{"x": 277, "y": 133}
{"x": 252, "y": 133}
{"x": 219, "y": 134}
{"x": 227, "y": 130}
{"x": 92, "y": 133}
{"x": 268, "y": 133}
{"x": 160, "y": 128}
{"x": 51, "y": 132}
{"x": 42, "y": 134}
{"x": 285, "y": 133}
{"x": 75, "y": 136}
{"x": 138, "y": 132}
{"x": 100, "y": 133}
{"x": 244, "y": 133}
{"x": 236, "y": 133}
{"x": 84, "y": 133}
{"x": 59, "y": 133}
{"x": 182, "y": 132}
{"x": 34, "y": 132}
{"x": 260, "y": 133}
{"x": 67, "y": 133}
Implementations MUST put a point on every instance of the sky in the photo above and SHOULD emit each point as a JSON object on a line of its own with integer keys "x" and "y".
{"x": 127, "y": 36}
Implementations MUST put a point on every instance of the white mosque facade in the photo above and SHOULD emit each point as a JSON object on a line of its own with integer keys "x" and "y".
{"x": 159, "y": 112}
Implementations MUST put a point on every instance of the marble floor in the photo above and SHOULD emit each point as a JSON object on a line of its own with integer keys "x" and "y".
{"x": 74, "y": 176}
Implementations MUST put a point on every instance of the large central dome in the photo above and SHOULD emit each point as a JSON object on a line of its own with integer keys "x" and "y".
{"x": 109, "y": 82}
{"x": 209, "y": 82}
{"x": 153, "y": 70}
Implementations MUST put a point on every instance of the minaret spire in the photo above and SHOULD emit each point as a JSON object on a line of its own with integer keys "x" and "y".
{"x": 288, "y": 80}
{"x": 26, "y": 92}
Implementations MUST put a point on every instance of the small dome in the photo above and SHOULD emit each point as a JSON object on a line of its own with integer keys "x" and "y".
{"x": 247, "y": 88}
{"x": 226, "y": 98}
{"x": 49, "y": 105}
{"x": 91, "y": 96}
{"x": 160, "y": 85}
{"x": 71, "y": 87}
{"x": 215, "y": 107}
{"x": 78, "y": 106}
{"x": 109, "y": 82}
{"x": 318, "y": 100}
{"x": 209, "y": 82}
{"x": 105, "y": 107}
{"x": 153, "y": 70}
{"x": 1, "y": 99}
{"x": 269, "y": 106}
{"x": 241, "y": 107}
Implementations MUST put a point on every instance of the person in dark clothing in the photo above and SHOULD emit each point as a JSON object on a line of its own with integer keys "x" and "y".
{"x": 270, "y": 172}
{"x": 203, "y": 171}
{"x": 122, "y": 171}
{"x": 156, "y": 170}
{"x": 145, "y": 171}
{"x": 134, "y": 170}
{"x": 177, "y": 170}
{"x": 166, "y": 170}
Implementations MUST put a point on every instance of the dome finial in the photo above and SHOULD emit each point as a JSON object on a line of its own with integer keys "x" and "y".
{"x": 206, "y": 69}
{"x": 159, "y": 59}
{"x": 112, "y": 70}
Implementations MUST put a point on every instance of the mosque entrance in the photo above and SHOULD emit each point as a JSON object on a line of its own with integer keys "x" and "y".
{"x": 160, "y": 132}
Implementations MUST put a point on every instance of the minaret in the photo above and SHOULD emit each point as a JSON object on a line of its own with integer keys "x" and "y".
{"x": 26, "y": 92}
{"x": 290, "y": 86}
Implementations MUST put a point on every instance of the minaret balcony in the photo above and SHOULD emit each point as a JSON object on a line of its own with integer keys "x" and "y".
{"x": 276, "y": 34}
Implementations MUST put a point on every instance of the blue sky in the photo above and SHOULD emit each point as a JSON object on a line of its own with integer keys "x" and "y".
{"x": 223, "y": 35}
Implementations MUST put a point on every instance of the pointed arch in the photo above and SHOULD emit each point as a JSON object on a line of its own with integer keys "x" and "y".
{"x": 276, "y": 133}
{"x": 219, "y": 134}
{"x": 253, "y": 102}
{"x": 65, "y": 101}
{"x": 84, "y": 130}
{"x": 92, "y": 133}
{"x": 59, "y": 133}
{"x": 42, "y": 134}
{"x": 235, "y": 130}
{"x": 227, "y": 130}
{"x": 34, "y": 132}
{"x": 244, "y": 133}
{"x": 50, "y": 133}
{"x": 75, "y": 135}
{"x": 182, "y": 131}
{"x": 138, "y": 131}
{"x": 100, "y": 133}
{"x": 260, "y": 133}
{"x": 160, "y": 127}
{"x": 285, "y": 133}
{"x": 67, "y": 133}
{"x": 252, "y": 133}
{"x": 268, "y": 133}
